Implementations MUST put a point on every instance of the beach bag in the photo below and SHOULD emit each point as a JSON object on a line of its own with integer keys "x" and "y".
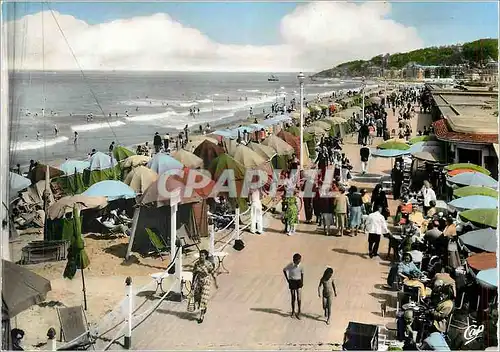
{"x": 191, "y": 304}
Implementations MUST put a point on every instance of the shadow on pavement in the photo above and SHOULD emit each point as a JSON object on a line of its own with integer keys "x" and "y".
{"x": 285, "y": 315}
{"x": 345, "y": 251}
{"x": 181, "y": 315}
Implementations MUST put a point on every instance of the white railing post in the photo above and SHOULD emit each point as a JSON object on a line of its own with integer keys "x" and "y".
{"x": 130, "y": 308}
{"x": 51, "y": 339}
{"x": 237, "y": 222}
{"x": 211, "y": 245}
{"x": 174, "y": 203}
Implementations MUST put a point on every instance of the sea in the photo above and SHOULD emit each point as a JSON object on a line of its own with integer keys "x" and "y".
{"x": 154, "y": 102}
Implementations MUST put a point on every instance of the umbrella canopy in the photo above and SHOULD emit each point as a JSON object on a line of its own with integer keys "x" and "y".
{"x": 389, "y": 153}
{"x": 140, "y": 178}
{"x": 322, "y": 124}
{"x": 483, "y": 240}
{"x": 121, "y": 153}
{"x": 482, "y": 261}
{"x": 17, "y": 183}
{"x": 279, "y": 145}
{"x": 135, "y": 160}
{"x": 468, "y": 166}
{"x": 38, "y": 173}
{"x": 263, "y": 150}
{"x": 224, "y": 162}
{"x": 475, "y": 190}
{"x": 422, "y": 139}
{"x": 188, "y": 159}
{"x": 456, "y": 172}
{"x": 316, "y": 130}
{"x": 394, "y": 144}
{"x": 488, "y": 278}
{"x": 70, "y": 166}
{"x": 110, "y": 189}
{"x": 474, "y": 179}
{"x": 336, "y": 120}
{"x": 66, "y": 204}
{"x": 173, "y": 183}
{"x": 21, "y": 289}
{"x": 162, "y": 162}
{"x": 428, "y": 156}
{"x": 77, "y": 256}
{"x": 208, "y": 151}
{"x": 247, "y": 157}
{"x": 101, "y": 161}
{"x": 482, "y": 217}
{"x": 293, "y": 130}
{"x": 292, "y": 140}
{"x": 195, "y": 141}
{"x": 230, "y": 146}
{"x": 475, "y": 202}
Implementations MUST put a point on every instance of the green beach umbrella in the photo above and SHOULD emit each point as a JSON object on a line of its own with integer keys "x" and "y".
{"x": 485, "y": 217}
{"x": 224, "y": 162}
{"x": 322, "y": 124}
{"x": 121, "y": 153}
{"x": 475, "y": 191}
{"x": 293, "y": 130}
{"x": 422, "y": 139}
{"x": 394, "y": 144}
{"x": 468, "y": 166}
{"x": 323, "y": 107}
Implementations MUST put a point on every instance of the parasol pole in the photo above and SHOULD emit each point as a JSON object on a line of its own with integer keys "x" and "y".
{"x": 83, "y": 284}
{"x": 46, "y": 200}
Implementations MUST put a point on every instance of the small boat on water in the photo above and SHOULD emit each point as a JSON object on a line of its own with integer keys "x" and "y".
{"x": 273, "y": 78}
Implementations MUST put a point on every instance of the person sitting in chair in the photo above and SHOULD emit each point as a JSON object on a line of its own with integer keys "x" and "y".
{"x": 441, "y": 307}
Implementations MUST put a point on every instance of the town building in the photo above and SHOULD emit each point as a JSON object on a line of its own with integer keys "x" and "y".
{"x": 467, "y": 122}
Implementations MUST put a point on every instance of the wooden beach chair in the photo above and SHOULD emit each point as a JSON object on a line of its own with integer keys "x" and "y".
{"x": 74, "y": 329}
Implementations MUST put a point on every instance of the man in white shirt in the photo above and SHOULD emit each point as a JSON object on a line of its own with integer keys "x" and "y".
{"x": 429, "y": 195}
{"x": 376, "y": 225}
{"x": 256, "y": 212}
{"x": 294, "y": 275}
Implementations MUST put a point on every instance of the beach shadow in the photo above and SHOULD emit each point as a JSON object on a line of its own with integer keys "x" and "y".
{"x": 272, "y": 230}
{"x": 181, "y": 315}
{"x": 383, "y": 287}
{"x": 285, "y": 315}
{"x": 390, "y": 300}
{"x": 388, "y": 314}
{"x": 345, "y": 251}
{"x": 51, "y": 304}
{"x": 118, "y": 250}
{"x": 104, "y": 236}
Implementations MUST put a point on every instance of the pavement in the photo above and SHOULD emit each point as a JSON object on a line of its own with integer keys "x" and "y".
{"x": 251, "y": 307}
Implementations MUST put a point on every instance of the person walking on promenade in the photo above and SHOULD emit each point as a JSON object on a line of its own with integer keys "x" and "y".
{"x": 256, "y": 212}
{"x": 341, "y": 206}
{"x": 356, "y": 209}
{"x": 345, "y": 169}
{"x": 290, "y": 214}
{"x": 308, "y": 189}
{"x": 294, "y": 275}
{"x": 203, "y": 273}
{"x": 376, "y": 226}
{"x": 428, "y": 194}
{"x": 166, "y": 141}
{"x": 379, "y": 199}
{"x": 327, "y": 286}
{"x": 364, "y": 153}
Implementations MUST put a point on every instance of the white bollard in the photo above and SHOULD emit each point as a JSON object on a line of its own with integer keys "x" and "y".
{"x": 130, "y": 299}
{"x": 237, "y": 223}
{"x": 51, "y": 339}
{"x": 211, "y": 245}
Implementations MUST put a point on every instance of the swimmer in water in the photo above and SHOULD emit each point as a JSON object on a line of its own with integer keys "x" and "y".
{"x": 38, "y": 135}
{"x": 56, "y": 130}
{"x": 76, "y": 138}
{"x": 136, "y": 108}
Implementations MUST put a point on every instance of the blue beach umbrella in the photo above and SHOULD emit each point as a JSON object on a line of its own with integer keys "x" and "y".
{"x": 110, "y": 189}
{"x": 101, "y": 161}
{"x": 69, "y": 166}
{"x": 226, "y": 133}
{"x": 17, "y": 183}
{"x": 474, "y": 202}
{"x": 474, "y": 179}
{"x": 482, "y": 240}
{"x": 488, "y": 278}
{"x": 163, "y": 162}
{"x": 390, "y": 153}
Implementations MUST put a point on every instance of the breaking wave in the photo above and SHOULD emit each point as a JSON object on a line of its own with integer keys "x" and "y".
{"x": 32, "y": 145}
{"x": 96, "y": 126}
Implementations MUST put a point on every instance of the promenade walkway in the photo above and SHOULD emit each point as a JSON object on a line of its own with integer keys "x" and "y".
{"x": 251, "y": 308}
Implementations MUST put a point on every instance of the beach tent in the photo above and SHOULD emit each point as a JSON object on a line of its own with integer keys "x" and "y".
{"x": 110, "y": 189}
{"x": 16, "y": 184}
{"x": 70, "y": 167}
{"x": 263, "y": 150}
{"x": 195, "y": 141}
{"x": 208, "y": 151}
{"x": 322, "y": 124}
{"x": 188, "y": 159}
{"x": 279, "y": 145}
{"x": 315, "y": 130}
{"x": 162, "y": 162}
{"x": 225, "y": 162}
{"x": 135, "y": 161}
{"x": 293, "y": 130}
{"x": 121, "y": 153}
{"x": 102, "y": 167}
{"x": 73, "y": 181}
{"x": 140, "y": 178}
{"x": 252, "y": 160}
{"x": 229, "y": 146}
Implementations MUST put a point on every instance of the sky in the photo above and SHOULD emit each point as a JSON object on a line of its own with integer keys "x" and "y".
{"x": 233, "y": 36}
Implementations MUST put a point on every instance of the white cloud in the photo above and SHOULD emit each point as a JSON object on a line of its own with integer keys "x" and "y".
{"x": 314, "y": 36}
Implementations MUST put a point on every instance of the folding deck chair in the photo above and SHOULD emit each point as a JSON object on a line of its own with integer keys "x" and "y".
{"x": 74, "y": 329}
{"x": 160, "y": 247}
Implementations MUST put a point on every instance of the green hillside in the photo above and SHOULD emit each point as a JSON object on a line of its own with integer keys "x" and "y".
{"x": 474, "y": 53}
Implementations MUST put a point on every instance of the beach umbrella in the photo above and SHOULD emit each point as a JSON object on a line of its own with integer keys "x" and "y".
{"x": 394, "y": 144}
{"x": 481, "y": 217}
{"x": 475, "y": 202}
{"x": 475, "y": 190}
{"x": 389, "y": 153}
{"x": 422, "y": 139}
{"x": 263, "y": 150}
{"x": 474, "y": 179}
{"x": 482, "y": 261}
{"x": 140, "y": 178}
{"x": 17, "y": 183}
{"x": 121, "y": 153}
{"x": 375, "y": 100}
{"x": 456, "y": 172}
{"x": 208, "y": 151}
{"x": 77, "y": 256}
{"x": 225, "y": 162}
{"x": 279, "y": 145}
{"x": 296, "y": 115}
{"x": 428, "y": 156}
{"x": 292, "y": 140}
{"x": 39, "y": 173}
{"x": 251, "y": 160}
{"x": 315, "y": 130}
{"x": 323, "y": 106}
{"x": 162, "y": 162}
{"x": 482, "y": 240}
{"x": 66, "y": 204}
{"x": 198, "y": 176}
{"x": 101, "y": 161}
{"x": 110, "y": 189}
{"x": 488, "y": 278}
{"x": 229, "y": 146}
{"x": 21, "y": 289}
{"x": 173, "y": 184}
{"x": 135, "y": 160}
{"x": 293, "y": 130}
{"x": 70, "y": 166}
{"x": 468, "y": 166}
{"x": 188, "y": 159}
{"x": 322, "y": 124}
{"x": 336, "y": 120}
{"x": 195, "y": 141}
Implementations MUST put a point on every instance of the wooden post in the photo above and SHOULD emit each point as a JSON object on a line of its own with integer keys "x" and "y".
{"x": 135, "y": 220}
